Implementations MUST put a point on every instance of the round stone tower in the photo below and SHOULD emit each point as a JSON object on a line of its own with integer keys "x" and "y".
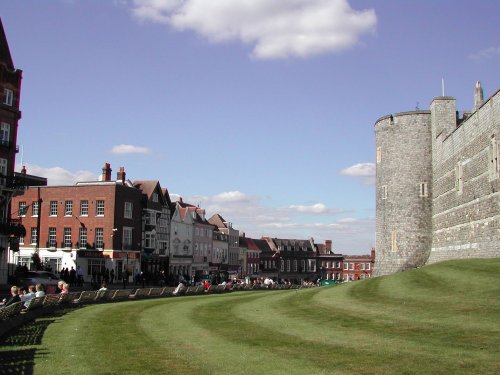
{"x": 403, "y": 191}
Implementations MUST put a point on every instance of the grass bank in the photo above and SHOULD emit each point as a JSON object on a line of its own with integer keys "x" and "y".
{"x": 440, "y": 319}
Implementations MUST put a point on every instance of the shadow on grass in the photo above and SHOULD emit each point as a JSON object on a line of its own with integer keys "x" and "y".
{"x": 19, "y": 359}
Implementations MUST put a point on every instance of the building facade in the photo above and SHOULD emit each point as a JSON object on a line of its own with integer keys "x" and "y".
{"x": 437, "y": 184}
{"x": 10, "y": 114}
{"x": 91, "y": 226}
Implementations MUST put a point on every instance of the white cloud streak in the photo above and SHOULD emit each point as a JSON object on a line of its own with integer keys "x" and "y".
{"x": 486, "y": 54}
{"x": 250, "y": 215}
{"x": 365, "y": 171}
{"x": 276, "y": 29}
{"x": 58, "y": 175}
{"x": 129, "y": 149}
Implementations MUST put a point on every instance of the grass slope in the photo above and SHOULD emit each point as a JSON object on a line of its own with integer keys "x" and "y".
{"x": 440, "y": 319}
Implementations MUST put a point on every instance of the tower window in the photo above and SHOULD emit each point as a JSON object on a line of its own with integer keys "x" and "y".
{"x": 384, "y": 191}
{"x": 494, "y": 156}
{"x": 459, "y": 179}
{"x": 423, "y": 189}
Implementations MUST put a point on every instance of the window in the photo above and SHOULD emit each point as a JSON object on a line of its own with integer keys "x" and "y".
{"x": 128, "y": 210}
{"x": 149, "y": 241}
{"x": 8, "y": 97}
{"x": 95, "y": 266}
{"x": 351, "y": 266}
{"x": 127, "y": 238}
{"x": 295, "y": 265}
{"x": 84, "y": 208}
{"x": 34, "y": 208}
{"x": 394, "y": 241}
{"x": 155, "y": 197}
{"x": 5, "y": 134}
{"x": 379, "y": 155}
{"x": 423, "y": 189}
{"x": 99, "y": 208}
{"x": 384, "y": 191}
{"x": 149, "y": 218}
{"x": 82, "y": 238}
{"x": 288, "y": 265}
{"x": 53, "y": 208}
{"x": 346, "y": 265}
{"x": 362, "y": 266}
{"x": 68, "y": 208}
{"x": 99, "y": 238}
{"x": 3, "y": 171}
{"x": 494, "y": 155}
{"x": 52, "y": 237}
{"x": 22, "y": 209}
{"x": 459, "y": 180}
{"x": 67, "y": 237}
{"x": 368, "y": 266}
{"x": 34, "y": 236}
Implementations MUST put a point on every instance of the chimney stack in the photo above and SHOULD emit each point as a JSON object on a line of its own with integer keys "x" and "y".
{"x": 106, "y": 172}
{"x": 120, "y": 176}
{"x": 328, "y": 245}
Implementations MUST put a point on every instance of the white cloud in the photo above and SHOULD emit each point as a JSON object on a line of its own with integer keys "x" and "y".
{"x": 366, "y": 171}
{"x": 275, "y": 29}
{"x": 485, "y": 54}
{"x": 314, "y": 209}
{"x": 129, "y": 149}
{"x": 58, "y": 175}
{"x": 249, "y": 214}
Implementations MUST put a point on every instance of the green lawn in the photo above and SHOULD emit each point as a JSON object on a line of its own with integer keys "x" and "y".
{"x": 440, "y": 319}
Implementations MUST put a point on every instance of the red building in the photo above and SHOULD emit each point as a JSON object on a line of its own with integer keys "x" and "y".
{"x": 10, "y": 91}
{"x": 329, "y": 263}
{"x": 357, "y": 267}
{"x": 93, "y": 226}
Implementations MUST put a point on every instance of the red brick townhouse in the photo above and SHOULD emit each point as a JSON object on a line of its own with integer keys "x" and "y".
{"x": 357, "y": 267}
{"x": 92, "y": 226}
{"x": 329, "y": 264}
{"x": 10, "y": 114}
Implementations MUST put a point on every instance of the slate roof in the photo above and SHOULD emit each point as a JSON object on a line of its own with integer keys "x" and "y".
{"x": 5, "y": 56}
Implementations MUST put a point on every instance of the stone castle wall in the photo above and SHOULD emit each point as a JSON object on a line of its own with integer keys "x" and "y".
{"x": 466, "y": 213}
{"x": 458, "y": 216}
{"x": 404, "y": 208}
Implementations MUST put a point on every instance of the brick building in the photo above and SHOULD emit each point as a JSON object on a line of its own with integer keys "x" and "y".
{"x": 10, "y": 114}
{"x": 329, "y": 263}
{"x": 93, "y": 226}
{"x": 358, "y": 267}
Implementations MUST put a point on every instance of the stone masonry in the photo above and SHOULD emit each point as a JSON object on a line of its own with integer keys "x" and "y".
{"x": 438, "y": 184}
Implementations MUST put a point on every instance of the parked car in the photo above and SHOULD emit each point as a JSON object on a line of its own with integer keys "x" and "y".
{"x": 38, "y": 277}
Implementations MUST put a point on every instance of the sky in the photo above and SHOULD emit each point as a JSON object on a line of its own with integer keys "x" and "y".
{"x": 261, "y": 111}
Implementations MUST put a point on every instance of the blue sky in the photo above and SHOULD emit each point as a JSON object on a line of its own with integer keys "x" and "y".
{"x": 260, "y": 111}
